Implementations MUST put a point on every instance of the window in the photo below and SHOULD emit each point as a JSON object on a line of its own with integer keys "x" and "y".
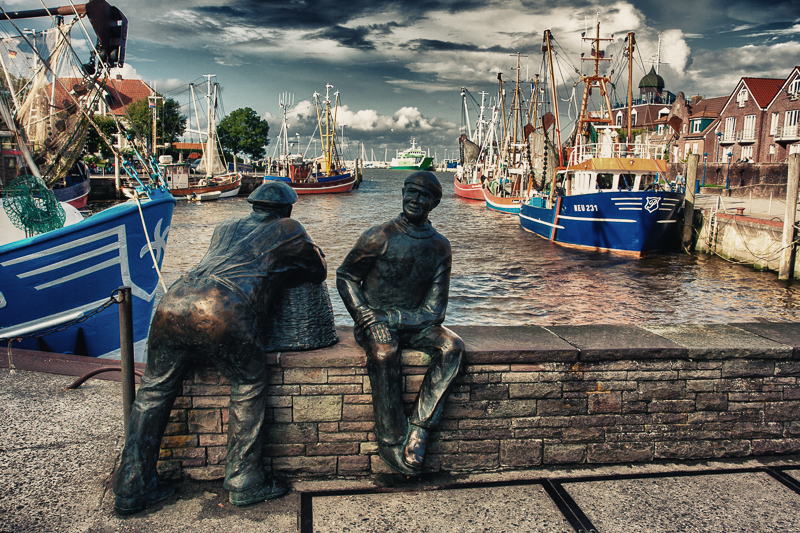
{"x": 730, "y": 125}
{"x": 694, "y": 148}
{"x": 605, "y": 180}
{"x": 791, "y": 118}
{"x": 619, "y": 119}
{"x": 634, "y": 114}
{"x": 773, "y": 125}
{"x": 686, "y": 149}
{"x": 749, "y": 132}
{"x": 696, "y": 126}
{"x": 646, "y": 181}
{"x": 661, "y": 129}
{"x": 772, "y": 153}
{"x": 794, "y": 149}
{"x": 794, "y": 87}
{"x": 747, "y": 153}
{"x": 683, "y": 130}
{"x": 741, "y": 98}
{"x": 626, "y": 181}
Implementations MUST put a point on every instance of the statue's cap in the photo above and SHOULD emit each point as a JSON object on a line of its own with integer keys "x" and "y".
{"x": 273, "y": 193}
{"x": 427, "y": 180}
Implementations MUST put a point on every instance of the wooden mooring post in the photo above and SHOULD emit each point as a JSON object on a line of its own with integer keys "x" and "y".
{"x": 786, "y": 270}
{"x": 688, "y": 205}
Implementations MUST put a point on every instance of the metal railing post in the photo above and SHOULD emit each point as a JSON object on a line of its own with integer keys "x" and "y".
{"x": 126, "y": 353}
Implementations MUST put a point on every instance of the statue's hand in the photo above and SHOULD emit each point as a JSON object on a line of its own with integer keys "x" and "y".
{"x": 372, "y": 316}
{"x": 380, "y": 333}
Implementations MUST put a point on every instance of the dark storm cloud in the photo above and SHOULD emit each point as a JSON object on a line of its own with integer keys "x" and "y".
{"x": 349, "y": 37}
{"x": 433, "y": 45}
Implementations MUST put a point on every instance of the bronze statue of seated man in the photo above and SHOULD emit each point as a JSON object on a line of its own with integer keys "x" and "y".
{"x": 395, "y": 283}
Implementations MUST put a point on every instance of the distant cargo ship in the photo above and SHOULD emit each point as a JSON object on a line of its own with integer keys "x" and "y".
{"x": 412, "y": 159}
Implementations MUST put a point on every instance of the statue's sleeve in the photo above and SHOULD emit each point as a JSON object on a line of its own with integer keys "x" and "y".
{"x": 299, "y": 255}
{"x": 355, "y": 267}
{"x": 433, "y": 308}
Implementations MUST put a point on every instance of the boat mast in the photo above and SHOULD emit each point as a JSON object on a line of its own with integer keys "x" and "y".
{"x": 595, "y": 80}
{"x": 466, "y": 112}
{"x": 547, "y": 48}
{"x": 631, "y": 41}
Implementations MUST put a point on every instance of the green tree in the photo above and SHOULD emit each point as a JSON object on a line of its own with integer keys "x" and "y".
{"x": 95, "y": 143}
{"x": 170, "y": 124}
{"x": 242, "y": 131}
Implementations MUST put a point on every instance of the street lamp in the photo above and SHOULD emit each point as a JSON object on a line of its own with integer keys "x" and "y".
{"x": 728, "y": 174}
{"x": 705, "y": 159}
{"x": 719, "y": 140}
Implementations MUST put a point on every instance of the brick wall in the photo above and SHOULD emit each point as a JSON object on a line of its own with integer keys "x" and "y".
{"x": 529, "y": 396}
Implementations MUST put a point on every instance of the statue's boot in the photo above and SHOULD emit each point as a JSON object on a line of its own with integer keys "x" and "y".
{"x": 393, "y": 455}
{"x": 134, "y": 504}
{"x": 269, "y": 490}
{"x": 416, "y": 444}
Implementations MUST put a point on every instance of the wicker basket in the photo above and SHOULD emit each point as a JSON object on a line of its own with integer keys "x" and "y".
{"x": 301, "y": 319}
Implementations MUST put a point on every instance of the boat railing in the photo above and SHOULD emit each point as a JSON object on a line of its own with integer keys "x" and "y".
{"x": 584, "y": 152}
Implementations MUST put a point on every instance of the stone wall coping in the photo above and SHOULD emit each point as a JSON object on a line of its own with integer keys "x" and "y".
{"x": 588, "y": 343}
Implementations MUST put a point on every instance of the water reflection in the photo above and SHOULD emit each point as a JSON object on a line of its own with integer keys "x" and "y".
{"x": 503, "y": 275}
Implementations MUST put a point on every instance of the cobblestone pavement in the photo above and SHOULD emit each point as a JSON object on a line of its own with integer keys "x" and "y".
{"x": 58, "y": 451}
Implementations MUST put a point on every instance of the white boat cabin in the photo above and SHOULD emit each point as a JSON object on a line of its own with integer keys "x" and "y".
{"x": 594, "y": 181}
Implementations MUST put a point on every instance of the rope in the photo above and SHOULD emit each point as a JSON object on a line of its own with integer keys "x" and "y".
{"x": 149, "y": 244}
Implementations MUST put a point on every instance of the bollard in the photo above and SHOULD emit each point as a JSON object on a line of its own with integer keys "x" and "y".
{"x": 785, "y": 271}
{"x": 688, "y": 205}
{"x": 126, "y": 353}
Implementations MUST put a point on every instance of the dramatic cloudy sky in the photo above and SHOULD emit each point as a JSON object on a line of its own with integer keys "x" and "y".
{"x": 399, "y": 65}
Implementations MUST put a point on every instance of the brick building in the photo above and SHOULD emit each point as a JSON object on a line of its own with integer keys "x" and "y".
{"x": 743, "y": 119}
{"x": 120, "y": 94}
{"x": 689, "y": 127}
{"x": 780, "y": 135}
{"x": 653, "y": 102}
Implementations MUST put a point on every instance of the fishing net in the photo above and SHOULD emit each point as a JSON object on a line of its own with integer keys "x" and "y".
{"x": 47, "y": 90}
{"x": 31, "y": 206}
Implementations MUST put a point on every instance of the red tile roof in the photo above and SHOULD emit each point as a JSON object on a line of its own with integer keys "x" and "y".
{"x": 708, "y": 107}
{"x": 124, "y": 92}
{"x": 763, "y": 89}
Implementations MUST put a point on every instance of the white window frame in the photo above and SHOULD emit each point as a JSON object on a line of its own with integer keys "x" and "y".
{"x": 747, "y": 152}
{"x": 790, "y": 119}
{"x": 749, "y": 128}
{"x": 741, "y": 98}
{"x": 661, "y": 129}
{"x": 730, "y": 129}
{"x": 794, "y": 87}
{"x": 773, "y": 125}
{"x": 696, "y": 126}
{"x": 634, "y": 115}
{"x": 619, "y": 119}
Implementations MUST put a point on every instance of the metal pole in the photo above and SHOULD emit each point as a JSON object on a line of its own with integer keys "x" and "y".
{"x": 785, "y": 271}
{"x": 688, "y": 205}
{"x": 126, "y": 353}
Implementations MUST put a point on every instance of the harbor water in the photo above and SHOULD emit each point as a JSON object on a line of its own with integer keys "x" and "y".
{"x": 503, "y": 275}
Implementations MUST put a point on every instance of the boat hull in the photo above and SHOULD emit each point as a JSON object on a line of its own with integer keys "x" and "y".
{"x": 510, "y": 205}
{"x": 326, "y": 185}
{"x": 228, "y": 188}
{"x": 75, "y": 194}
{"x": 425, "y": 164}
{"x": 469, "y": 191}
{"x": 49, "y": 279}
{"x": 629, "y": 223}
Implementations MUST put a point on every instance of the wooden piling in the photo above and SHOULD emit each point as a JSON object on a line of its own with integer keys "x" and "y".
{"x": 786, "y": 270}
{"x": 688, "y": 205}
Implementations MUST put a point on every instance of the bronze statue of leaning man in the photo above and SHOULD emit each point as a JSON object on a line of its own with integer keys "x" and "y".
{"x": 395, "y": 283}
{"x": 215, "y": 315}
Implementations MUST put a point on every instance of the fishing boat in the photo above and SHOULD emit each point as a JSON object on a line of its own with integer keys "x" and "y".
{"x": 59, "y": 270}
{"x": 607, "y": 194}
{"x": 211, "y": 173}
{"x": 477, "y": 150}
{"x": 413, "y": 158}
{"x": 326, "y": 174}
{"x": 522, "y": 155}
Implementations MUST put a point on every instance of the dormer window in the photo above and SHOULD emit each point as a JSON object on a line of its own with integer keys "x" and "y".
{"x": 696, "y": 126}
{"x": 741, "y": 98}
